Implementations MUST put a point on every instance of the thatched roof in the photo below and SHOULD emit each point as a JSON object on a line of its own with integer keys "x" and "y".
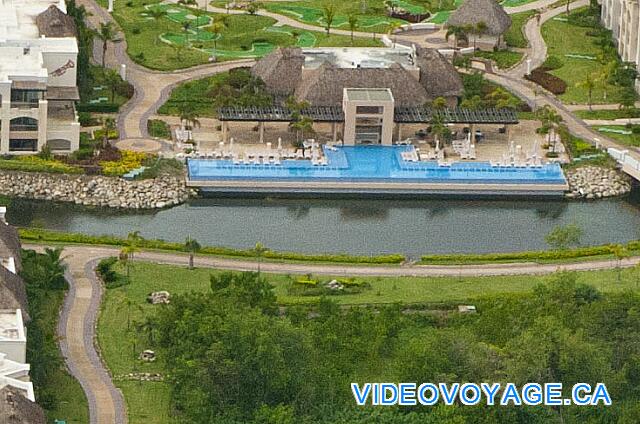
{"x": 325, "y": 85}
{"x": 281, "y": 70}
{"x": 438, "y": 76}
{"x": 55, "y": 23}
{"x": 10, "y": 244}
{"x": 17, "y": 409}
{"x": 472, "y": 12}
{"x": 13, "y": 294}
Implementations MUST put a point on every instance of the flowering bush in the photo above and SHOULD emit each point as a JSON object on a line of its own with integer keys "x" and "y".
{"x": 128, "y": 161}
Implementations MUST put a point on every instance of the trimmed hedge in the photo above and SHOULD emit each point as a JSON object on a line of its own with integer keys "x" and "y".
{"x": 549, "y": 255}
{"x": 98, "y": 107}
{"x": 547, "y": 81}
{"x": 40, "y": 235}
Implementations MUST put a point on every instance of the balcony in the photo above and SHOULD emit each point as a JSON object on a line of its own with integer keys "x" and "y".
{"x": 25, "y": 105}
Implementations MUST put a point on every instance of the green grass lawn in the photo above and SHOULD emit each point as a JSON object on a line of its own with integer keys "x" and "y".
{"x": 197, "y": 91}
{"x": 503, "y": 58}
{"x": 514, "y": 36}
{"x": 563, "y": 39}
{"x": 608, "y": 115}
{"x": 166, "y": 45}
{"x": 148, "y": 402}
{"x": 626, "y": 139}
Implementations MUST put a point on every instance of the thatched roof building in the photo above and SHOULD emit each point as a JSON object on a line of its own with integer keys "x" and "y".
{"x": 13, "y": 294}
{"x": 281, "y": 70}
{"x": 17, "y": 409}
{"x": 325, "y": 86}
{"x": 423, "y": 76}
{"x": 55, "y": 23}
{"x": 438, "y": 76}
{"x": 472, "y": 12}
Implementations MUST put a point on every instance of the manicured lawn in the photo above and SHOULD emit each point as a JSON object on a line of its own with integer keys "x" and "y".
{"x": 514, "y": 36}
{"x": 503, "y": 58}
{"x": 197, "y": 92}
{"x": 627, "y": 139}
{"x": 565, "y": 39}
{"x": 167, "y": 45}
{"x": 607, "y": 114}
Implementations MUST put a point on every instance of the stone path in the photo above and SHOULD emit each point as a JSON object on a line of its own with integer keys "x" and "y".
{"x": 76, "y": 330}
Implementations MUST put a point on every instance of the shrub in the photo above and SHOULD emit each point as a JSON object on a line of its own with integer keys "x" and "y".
{"x": 38, "y": 164}
{"x": 85, "y": 119}
{"x": 128, "y": 161}
{"x": 547, "y": 81}
{"x": 98, "y": 107}
{"x": 158, "y": 128}
{"x": 553, "y": 62}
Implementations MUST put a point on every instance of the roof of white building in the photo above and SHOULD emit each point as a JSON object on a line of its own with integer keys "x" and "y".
{"x": 18, "y": 17}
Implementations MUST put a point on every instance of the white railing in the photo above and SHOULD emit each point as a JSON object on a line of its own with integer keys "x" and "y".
{"x": 626, "y": 160}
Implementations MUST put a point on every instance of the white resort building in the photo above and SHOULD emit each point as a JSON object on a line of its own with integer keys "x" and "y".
{"x": 38, "y": 57}
{"x": 622, "y": 17}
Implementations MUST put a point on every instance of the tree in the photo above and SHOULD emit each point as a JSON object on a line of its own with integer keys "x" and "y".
{"x": 216, "y": 28}
{"x": 352, "y": 20}
{"x": 107, "y": 33}
{"x": 589, "y": 83}
{"x": 563, "y": 237}
{"x": 568, "y": 2}
{"x": 620, "y": 252}
{"x": 133, "y": 241}
{"x": 299, "y": 122}
{"x": 550, "y": 120}
{"x": 157, "y": 14}
{"x": 329, "y": 14}
{"x": 108, "y": 126}
{"x": 259, "y": 250}
{"x": 188, "y": 115}
{"x": 391, "y": 28}
{"x": 479, "y": 30}
{"x": 628, "y": 101}
{"x": 193, "y": 247}
{"x": 253, "y": 7}
{"x": 186, "y": 27}
{"x": 474, "y": 103}
{"x": 439, "y": 103}
{"x": 605, "y": 75}
{"x": 458, "y": 32}
{"x": 113, "y": 81}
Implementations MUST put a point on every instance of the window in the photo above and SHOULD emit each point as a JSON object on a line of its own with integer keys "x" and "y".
{"x": 25, "y": 98}
{"x": 23, "y": 145}
{"x": 59, "y": 144}
{"x": 23, "y": 123}
{"x": 369, "y": 110}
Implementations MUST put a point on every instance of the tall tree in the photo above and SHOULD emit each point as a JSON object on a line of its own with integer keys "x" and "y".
{"x": 193, "y": 247}
{"x": 329, "y": 14}
{"x": 352, "y": 20}
{"x": 107, "y": 33}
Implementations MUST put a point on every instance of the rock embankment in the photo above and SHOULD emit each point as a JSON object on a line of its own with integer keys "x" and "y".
{"x": 95, "y": 190}
{"x": 594, "y": 182}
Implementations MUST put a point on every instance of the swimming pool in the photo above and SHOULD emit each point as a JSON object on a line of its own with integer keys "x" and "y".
{"x": 374, "y": 164}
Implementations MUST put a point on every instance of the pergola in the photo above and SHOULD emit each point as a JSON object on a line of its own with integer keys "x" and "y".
{"x": 335, "y": 115}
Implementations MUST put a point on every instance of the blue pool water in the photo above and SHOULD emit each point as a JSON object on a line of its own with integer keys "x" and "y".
{"x": 376, "y": 164}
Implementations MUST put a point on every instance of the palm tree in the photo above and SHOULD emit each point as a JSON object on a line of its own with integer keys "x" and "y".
{"x": 186, "y": 26}
{"x": 259, "y": 250}
{"x": 394, "y": 25}
{"x": 458, "y": 32}
{"x": 189, "y": 116}
{"x": 107, "y": 34}
{"x": 329, "y": 14}
{"x": 352, "y": 20}
{"x": 112, "y": 79}
{"x": 439, "y": 103}
{"x": 589, "y": 83}
{"x": 605, "y": 75}
{"x": 108, "y": 126}
{"x": 474, "y": 103}
{"x": 193, "y": 247}
{"x": 133, "y": 240}
{"x": 157, "y": 14}
{"x": 219, "y": 25}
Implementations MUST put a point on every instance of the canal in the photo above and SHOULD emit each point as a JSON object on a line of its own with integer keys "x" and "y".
{"x": 363, "y": 227}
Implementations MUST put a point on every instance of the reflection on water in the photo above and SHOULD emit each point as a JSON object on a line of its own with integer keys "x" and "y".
{"x": 355, "y": 226}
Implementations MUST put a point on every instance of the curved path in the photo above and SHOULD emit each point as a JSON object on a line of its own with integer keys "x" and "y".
{"x": 76, "y": 330}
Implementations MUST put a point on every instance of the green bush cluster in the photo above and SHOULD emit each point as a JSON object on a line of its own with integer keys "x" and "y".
{"x": 59, "y": 237}
{"x": 553, "y": 62}
{"x": 543, "y": 255}
{"x": 98, "y": 107}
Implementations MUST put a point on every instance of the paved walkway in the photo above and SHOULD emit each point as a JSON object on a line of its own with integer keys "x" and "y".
{"x": 76, "y": 330}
